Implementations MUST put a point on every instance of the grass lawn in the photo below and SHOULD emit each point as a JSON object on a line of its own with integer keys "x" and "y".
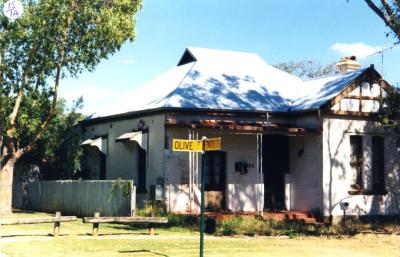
{"x": 122, "y": 240}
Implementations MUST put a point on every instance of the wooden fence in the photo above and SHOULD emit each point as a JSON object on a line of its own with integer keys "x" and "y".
{"x": 77, "y": 197}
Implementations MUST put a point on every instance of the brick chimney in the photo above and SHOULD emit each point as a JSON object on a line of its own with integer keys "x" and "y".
{"x": 347, "y": 64}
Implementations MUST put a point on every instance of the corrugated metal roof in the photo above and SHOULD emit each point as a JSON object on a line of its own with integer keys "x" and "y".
{"x": 314, "y": 93}
{"x": 226, "y": 80}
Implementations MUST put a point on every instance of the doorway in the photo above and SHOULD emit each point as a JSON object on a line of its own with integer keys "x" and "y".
{"x": 214, "y": 165}
{"x": 103, "y": 165}
{"x": 275, "y": 154}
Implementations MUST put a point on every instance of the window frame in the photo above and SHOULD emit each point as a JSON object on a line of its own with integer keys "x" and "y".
{"x": 213, "y": 186}
{"x": 371, "y": 190}
{"x": 380, "y": 186}
{"x": 357, "y": 161}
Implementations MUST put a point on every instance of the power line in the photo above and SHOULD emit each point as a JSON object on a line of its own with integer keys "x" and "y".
{"x": 382, "y": 51}
{"x": 395, "y": 45}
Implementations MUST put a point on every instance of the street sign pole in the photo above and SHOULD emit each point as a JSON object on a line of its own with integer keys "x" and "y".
{"x": 1, "y": 209}
{"x": 204, "y": 145}
{"x": 203, "y": 182}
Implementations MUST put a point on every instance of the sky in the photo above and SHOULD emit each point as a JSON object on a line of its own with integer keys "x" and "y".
{"x": 278, "y": 31}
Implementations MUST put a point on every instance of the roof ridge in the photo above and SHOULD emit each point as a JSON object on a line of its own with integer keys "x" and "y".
{"x": 219, "y": 50}
{"x": 179, "y": 84}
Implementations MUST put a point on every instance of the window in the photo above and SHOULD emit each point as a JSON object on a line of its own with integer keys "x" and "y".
{"x": 103, "y": 165}
{"x": 378, "y": 168}
{"x": 356, "y": 162}
{"x": 141, "y": 183}
{"x": 214, "y": 164}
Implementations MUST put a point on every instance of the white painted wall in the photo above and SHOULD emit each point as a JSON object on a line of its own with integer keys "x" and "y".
{"x": 367, "y": 105}
{"x": 305, "y": 177}
{"x": 121, "y": 156}
{"x": 243, "y": 192}
{"x": 337, "y": 175}
{"x": 313, "y": 186}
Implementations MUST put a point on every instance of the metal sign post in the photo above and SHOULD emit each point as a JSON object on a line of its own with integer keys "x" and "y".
{"x": 1, "y": 211}
{"x": 204, "y": 145}
{"x": 203, "y": 184}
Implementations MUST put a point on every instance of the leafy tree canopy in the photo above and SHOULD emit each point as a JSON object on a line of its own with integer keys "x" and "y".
{"x": 53, "y": 39}
{"x": 389, "y": 12}
{"x": 58, "y": 152}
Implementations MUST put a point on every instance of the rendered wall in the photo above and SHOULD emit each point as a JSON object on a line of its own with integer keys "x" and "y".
{"x": 366, "y": 90}
{"x": 305, "y": 177}
{"x": 337, "y": 175}
{"x": 122, "y": 156}
{"x": 242, "y": 192}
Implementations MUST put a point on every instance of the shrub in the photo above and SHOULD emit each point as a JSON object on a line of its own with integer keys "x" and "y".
{"x": 151, "y": 208}
{"x": 244, "y": 226}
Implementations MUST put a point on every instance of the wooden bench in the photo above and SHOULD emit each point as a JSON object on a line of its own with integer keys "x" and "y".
{"x": 96, "y": 220}
{"x": 57, "y": 219}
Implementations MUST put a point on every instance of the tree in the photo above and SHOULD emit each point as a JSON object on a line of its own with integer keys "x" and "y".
{"x": 389, "y": 12}
{"x": 52, "y": 40}
{"x": 390, "y": 113}
{"x": 58, "y": 153}
{"x": 307, "y": 69}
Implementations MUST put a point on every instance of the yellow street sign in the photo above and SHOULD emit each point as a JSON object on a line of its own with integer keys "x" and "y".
{"x": 212, "y": 144}
{"x": 183, "y": 145}
{"x": 187, "y": 145}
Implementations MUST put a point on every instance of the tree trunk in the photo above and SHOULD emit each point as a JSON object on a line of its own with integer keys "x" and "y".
{"x": 6, "y": 181}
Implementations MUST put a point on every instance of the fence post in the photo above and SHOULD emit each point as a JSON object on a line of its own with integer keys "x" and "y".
{"x": 151, "y": 230}
{"x": 57, "y": 224}
{"x": 133, "y": 199}
{"x": 96, "y": 225}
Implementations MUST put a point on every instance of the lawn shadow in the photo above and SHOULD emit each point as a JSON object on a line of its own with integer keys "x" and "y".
{"x": 11, "y": 236}
{"x": 23, "y": 211}
{"x": 31, "y": 235}
{"x": 115, "y": 234}
{"x": 143, "y": 251}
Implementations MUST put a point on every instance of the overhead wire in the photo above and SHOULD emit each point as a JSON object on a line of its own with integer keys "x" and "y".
{"x": 381, "y": 53}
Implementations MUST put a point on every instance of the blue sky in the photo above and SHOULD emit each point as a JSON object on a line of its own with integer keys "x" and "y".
{"x": 279, "y": 31}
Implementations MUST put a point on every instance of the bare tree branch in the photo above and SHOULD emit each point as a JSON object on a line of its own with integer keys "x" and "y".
{"x": 12, "y": 117}
{"x": 387, "y": 14}
{"x": 378, "y": 11}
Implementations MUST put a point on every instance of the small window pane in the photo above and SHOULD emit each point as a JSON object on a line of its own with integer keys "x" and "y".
{"x": 356, "y": 162}
{"x": 378, "y": 176}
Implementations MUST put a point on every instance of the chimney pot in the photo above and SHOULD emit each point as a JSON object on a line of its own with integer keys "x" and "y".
{"x": 347, "y": 64}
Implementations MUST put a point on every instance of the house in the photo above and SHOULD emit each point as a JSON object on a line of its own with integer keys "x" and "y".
{"x": 287, "y": 144}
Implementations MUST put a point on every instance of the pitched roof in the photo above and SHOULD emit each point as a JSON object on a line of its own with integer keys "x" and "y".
{"x": 226, "y": 80}
{"x": 315, "y": 93}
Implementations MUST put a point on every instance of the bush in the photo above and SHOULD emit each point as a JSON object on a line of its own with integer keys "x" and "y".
{"x": 151, "y": 208}
{"x": 252, "y": 226}
{"x": 249, "y": 226}
{"x": 184, "y": 221}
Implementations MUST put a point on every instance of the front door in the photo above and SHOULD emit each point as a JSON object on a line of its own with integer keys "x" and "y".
{"x": 275, "y": 165}
{"x": 214, "y": 164}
